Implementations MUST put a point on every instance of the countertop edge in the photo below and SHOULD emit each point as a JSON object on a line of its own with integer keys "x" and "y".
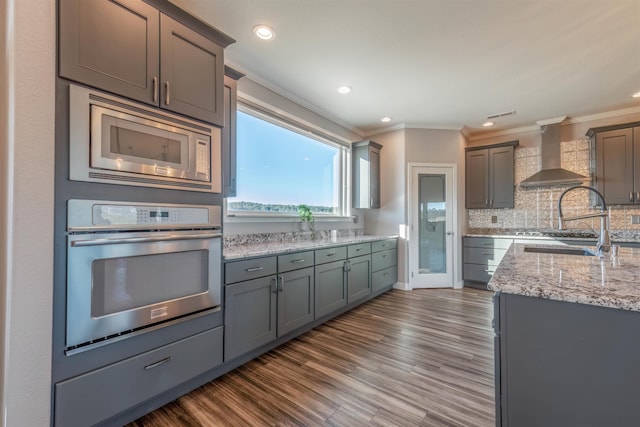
{"x": 238, "y": 252}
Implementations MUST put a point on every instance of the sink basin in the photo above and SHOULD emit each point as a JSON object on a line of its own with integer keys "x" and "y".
{"x": 560, "y": 250}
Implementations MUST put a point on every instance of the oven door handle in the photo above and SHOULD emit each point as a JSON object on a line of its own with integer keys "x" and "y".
{"x": 164, "y": 238}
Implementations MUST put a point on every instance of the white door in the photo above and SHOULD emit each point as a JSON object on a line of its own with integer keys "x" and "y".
{"x": 432, "y": 207}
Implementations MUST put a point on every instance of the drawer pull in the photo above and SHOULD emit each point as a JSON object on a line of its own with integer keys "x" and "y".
{"x": 384, "y": 256}
{"x": 252, "y": 269}
{"x": 384, "y": 245}
{"x": 487, "y": 243}
{"x": 486, "y": 253}
{"x": 331, "y": 254}
{"x": 358, "y": 249}
{"x": 386, "y": 274}
{"x": 297, "y": 261}
{"x": 158, "y": 363}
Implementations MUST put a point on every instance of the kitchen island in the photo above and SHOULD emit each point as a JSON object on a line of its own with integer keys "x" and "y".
{"x": 567, "y": 351}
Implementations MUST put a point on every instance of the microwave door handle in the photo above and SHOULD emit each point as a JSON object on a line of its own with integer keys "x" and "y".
{"x": 126, "y": 240}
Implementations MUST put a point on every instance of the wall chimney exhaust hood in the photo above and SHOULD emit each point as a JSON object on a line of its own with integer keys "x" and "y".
{"x": 551, "y": 153}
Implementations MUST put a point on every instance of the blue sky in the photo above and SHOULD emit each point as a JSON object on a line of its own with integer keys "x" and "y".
{"x": 279, "y": 166}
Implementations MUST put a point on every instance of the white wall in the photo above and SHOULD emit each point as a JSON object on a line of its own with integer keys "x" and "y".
{"x": 442, "y": 146}
{"x": 26, "y": 209}
{"x": 391, "y": 217}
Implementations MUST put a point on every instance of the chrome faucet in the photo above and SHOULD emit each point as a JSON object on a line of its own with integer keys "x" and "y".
{"x": 604, "y": 242}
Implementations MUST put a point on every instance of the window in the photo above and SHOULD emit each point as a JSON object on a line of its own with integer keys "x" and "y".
{"x": 281, "y": 166}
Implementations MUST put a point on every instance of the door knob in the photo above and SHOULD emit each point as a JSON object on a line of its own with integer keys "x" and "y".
{"x": 449, "y": 233}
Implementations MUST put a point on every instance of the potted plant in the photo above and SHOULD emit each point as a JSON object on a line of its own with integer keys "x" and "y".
{"x": 306, "y": 215}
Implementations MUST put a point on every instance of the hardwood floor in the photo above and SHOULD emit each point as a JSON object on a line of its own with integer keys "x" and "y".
{"x": 418, "y": 358}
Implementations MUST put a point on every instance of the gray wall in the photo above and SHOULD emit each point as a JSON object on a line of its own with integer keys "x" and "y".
{"x": 401, "y": 147}
{"x": 26, "y": 209}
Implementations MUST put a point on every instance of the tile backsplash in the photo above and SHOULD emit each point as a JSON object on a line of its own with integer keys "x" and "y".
{"x": 537, "y": 208}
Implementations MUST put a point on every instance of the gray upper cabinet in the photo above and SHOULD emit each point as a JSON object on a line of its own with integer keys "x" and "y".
{"x": 489, "y": 177}
{"x": 129, "y": 48}
{"x": 366, "y": 174}
{"x": 229, "y": 147}
{"x": 618, "y": 165}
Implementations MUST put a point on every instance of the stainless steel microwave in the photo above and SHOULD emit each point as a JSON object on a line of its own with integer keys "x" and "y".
{"x": 117, "y": 141}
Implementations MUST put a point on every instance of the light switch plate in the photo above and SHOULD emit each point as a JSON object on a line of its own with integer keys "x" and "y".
{"x": 494, "y": 219}
{"x": 635, "y": 219}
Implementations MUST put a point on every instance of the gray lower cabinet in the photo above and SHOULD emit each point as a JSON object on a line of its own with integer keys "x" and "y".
{"x": 129, "y": 48}
{"x": 481, "y": 256}
{"x": 96, "y": 396}
{"x": 250, "y": 315}
{"x": 331, "y": 280}
{"x": 384, "y": 260}
{"x": 277, "y": 298}
{"x": 564, "y": 364}
{"x": 358, "y": 272}
{"x": 296, "y": 294}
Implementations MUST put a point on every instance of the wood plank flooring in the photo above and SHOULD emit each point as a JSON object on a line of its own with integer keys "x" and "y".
{"x": 418, "y": 358}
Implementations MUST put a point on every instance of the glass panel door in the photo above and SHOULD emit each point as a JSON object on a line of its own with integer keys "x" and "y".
{"x": 432, "y": 224}
{"x": 432, "y": 207}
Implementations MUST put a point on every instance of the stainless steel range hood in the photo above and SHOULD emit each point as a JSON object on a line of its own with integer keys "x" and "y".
{"x": 551, "y": 153}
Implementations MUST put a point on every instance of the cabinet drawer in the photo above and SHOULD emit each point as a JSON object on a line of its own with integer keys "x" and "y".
{"x": 382, "y": 260}
{"x": 95, "y": 396}
{"x": 324, "y": 256}
{"x": 295, "y": 261}
{"x": 383, "y": 245}
{"x": 359, "y": 249}
{"x": 237, "y": 271}
{"x": 478, "y": 273}
{"x": 486, "y": 242}
{"x": 483, "y": 256}
{"x": 384, "y": 278}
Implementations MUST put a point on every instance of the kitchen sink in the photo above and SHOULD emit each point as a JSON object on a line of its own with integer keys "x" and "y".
{"x": 560, "y": 250}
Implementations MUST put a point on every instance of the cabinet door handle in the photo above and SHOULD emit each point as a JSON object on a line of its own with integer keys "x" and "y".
{"x": 274, "y": 287}
{"x": 281, "y": 285}
{"x": 638, "y": 196}
{"x": 486, "y": 202}
{"x": 167, "y": 98}
{"x": 630, "y": 196}
{"x": 491, "y": 202}
{"x": 155, "y": 89}
{"x": 252, "y": 269}
{"x": 347, "y": 266}
{"x": 158, "y": 363}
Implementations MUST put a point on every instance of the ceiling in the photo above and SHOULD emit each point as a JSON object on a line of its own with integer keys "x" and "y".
{"x": 442, "y": 64}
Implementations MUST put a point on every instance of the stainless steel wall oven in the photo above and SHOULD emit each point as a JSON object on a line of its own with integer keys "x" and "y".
{"x": 131, "y": 266}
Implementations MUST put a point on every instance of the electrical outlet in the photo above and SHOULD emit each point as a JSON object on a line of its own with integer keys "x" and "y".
{"x": 494, "y": 219}
{"x": 635, "y": 219}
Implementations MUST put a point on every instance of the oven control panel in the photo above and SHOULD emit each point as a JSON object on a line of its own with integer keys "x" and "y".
{"x": 88, "y": 214}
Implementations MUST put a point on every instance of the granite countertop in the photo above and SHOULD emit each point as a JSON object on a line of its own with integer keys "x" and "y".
{"x": 236, "y": 252}
{"x": 605, "y": 281}
{"x": 618, "y": 236}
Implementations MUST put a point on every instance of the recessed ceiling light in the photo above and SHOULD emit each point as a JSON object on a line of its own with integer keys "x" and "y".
{"x": 487, "y": 124}
{"x": 264, "y": 32}
{"x": 386, "y": 119}
{"x": 344, "y": 89}
{"x": 636, "y": 95}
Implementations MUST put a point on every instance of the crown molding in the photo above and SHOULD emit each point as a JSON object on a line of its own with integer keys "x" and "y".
{"x": 605, "y": 115}
{"x": 504, "y": 132}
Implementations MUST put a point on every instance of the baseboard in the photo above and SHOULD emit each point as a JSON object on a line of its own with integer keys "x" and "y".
{"x": 401, "y": 286}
